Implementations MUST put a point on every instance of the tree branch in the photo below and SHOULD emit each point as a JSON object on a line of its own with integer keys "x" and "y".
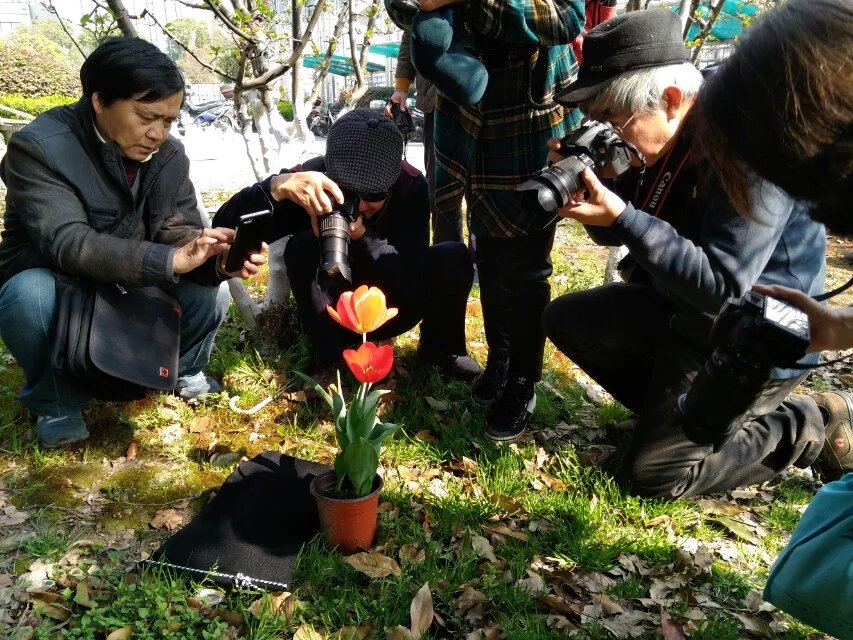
{"x": 359, "y": 75}
{"x": 214, "y": 6}
{"x": 193, "y": 5}
{"x": 146, "y": 12}
{"x": 122, "y": 17}
{"x": 280, "y": 70}
{"x": 52, "y": 9}
{"x": 706, "y": 29}
{"x": 323, "y": 69}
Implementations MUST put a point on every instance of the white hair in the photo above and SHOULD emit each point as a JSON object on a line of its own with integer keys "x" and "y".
{"x": 642, "y": 89}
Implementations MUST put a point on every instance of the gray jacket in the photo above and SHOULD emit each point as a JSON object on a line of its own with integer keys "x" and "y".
{"x": 425, "y": 99}
{"x": 69, "y": 208}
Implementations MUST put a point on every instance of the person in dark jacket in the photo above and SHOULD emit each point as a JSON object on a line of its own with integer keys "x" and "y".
{"x": 389, "y": 243}
{"x": 99, "y": 190}
{"x": 689, "y": 251}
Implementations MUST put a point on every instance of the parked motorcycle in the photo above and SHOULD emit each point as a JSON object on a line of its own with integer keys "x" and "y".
{"x": 321, "y": 118}
{"x": 219, "y": 117}
{"x": 191, "y": 111}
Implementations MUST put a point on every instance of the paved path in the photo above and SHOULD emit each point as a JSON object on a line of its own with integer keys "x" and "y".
{"x": 218, "y": 160}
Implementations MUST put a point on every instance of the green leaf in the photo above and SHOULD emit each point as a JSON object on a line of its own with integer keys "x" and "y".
{"x": 360, "y": 463}
{"x": 381, "y": 430}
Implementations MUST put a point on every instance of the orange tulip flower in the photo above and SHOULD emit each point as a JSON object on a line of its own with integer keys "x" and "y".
{"x": 370, "y": 363}
{"x": 362, "y": 310}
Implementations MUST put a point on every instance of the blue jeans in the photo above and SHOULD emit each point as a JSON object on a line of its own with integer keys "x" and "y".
{"x": 27, "y": 303}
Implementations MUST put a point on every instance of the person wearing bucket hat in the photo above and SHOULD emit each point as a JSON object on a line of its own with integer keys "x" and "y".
{"x": 644, "y": 340}
{"x": 388, "y": 248}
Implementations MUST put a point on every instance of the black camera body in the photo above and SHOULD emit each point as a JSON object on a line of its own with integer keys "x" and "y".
{"x": 403, "y": 120}
{"x": 750, "y": 337}
{"x": 335, "y": 239}
{"x": 593, "y": 145}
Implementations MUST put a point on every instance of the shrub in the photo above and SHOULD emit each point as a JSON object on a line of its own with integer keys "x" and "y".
{"x": 34, "y": 106}
{"x": 374, "y": 93}
{"x": 34, "y": 66}
{"x": 285, "y": 108}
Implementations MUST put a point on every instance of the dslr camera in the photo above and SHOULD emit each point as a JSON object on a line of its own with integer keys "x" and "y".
{"x": 750, "y": 337}
{"x": 335, "y": 239}
{"x": 593, "y": 145}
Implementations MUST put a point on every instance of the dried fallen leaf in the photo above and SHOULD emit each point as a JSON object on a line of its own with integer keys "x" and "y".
{"x": 306, "y": 632}
{"x": 469, "y": 599}
{"x": 437, "y": 405}
{"x": 132, "y": 451}
{"x": 361, "y": 632}
{"x": 56, "y": 611}
{"x": 398, "y": 633}
{"x": 502, "y": 529}
{"x": 122, "y": 634}
{"x": 421, "y": 611}
{"x": 753, "y": 624}
{"x": 738, "y": 528}
{"x": 669, "y": 628}
{"x": 713, "y": 506}
{"x": 373, "y": 564}
{"x": 425, "y": 435}
{"x": 411, "y": 554}
{"x": 556, "y": 603}
{"x": 81, "y": 595}
{"x": 534, "y": 584}
{"x": 169, "y": 519}
{"x": 483, "y": 548}
{"x": 9, "y": 515}
{"x": 200, "y": 424}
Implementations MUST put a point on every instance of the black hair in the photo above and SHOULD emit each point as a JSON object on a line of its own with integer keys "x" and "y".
{"x": 782, "y": 104}
{"x": 129, "y": 68}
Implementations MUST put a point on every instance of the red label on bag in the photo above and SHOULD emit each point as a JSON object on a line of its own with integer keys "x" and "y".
{"x": 164, "y": 372}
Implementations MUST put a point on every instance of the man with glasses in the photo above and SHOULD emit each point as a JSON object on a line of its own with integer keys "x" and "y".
{"x": 689, "y": 251}
{"x": 389, "y": 243}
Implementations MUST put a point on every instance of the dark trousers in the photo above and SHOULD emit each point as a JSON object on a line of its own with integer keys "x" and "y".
{"x": 622, "y": 336}
{"x": 437, "y": 298}
{"x": 514, "y": 291}
{"x": 446, "y": 227}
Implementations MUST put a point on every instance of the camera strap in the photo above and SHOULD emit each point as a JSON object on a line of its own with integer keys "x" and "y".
{"x": 660, "y": 188}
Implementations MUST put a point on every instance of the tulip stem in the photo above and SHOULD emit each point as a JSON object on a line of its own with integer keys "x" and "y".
{"x": 364, "y": 337}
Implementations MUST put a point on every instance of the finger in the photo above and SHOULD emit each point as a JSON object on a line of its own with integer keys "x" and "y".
{"x": 324, "y": 205}
{"x": 330, "y": 186}
{"x": 258, "y": 259}
{"x": 592, "y": 183}
{"x": 225, "y": 233}
{"x": 554, "y": 144}
{"x": 265, "y": 247}
{"x": 794, "y": 296}
{"x": 553, "y": 156}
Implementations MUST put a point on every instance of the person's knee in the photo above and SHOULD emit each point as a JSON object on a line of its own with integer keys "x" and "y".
{"x": 647, "y": 476}
{"x": 451, "y": 257}
{"x": 559, "y": 320}
{"x": 203, "y": 303}
{"x": 29, "y": 298}
{"x": 302, "y": 256}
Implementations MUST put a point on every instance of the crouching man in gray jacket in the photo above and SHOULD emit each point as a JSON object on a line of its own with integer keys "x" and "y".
{"x": 99, "y": 190}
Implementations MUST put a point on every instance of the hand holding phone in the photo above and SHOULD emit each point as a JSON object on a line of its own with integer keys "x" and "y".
{"x": 249, "y": 236}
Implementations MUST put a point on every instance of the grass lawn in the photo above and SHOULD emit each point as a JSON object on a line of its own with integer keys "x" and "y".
{"x": 527, "y": 541}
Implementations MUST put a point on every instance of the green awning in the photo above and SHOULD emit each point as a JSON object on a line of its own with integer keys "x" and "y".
{"x": 339, "y": 65}
{"x": 387, "y": 49}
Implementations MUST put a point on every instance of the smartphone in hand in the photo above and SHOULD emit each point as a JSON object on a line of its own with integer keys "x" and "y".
{"x": 251, "y": 230}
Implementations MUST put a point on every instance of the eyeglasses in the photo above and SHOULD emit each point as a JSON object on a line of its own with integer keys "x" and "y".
{"x": 620, "y": 128}
{"x": 373, "y": 197}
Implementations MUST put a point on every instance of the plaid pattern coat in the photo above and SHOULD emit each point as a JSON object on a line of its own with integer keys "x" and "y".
{"x": 485, "y": 150}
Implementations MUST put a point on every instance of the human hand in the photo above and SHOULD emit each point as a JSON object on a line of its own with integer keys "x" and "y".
{"x": 399, "y": 98}
{"x": 209, "y": 242}
{"x": 357, "y": 228}
{"x": 600, "y": 208}
{"x": 829, "y": 328}
{"x": 251, "y": 266}
{"x": 310, "y": 190}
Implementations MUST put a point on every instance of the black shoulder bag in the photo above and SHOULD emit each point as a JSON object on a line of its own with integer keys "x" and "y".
{"x": 115, "y": 343}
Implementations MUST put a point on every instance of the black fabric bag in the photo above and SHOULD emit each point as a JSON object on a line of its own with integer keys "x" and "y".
{"x": 113, "y": 343}
{"x": 250, "y": 533}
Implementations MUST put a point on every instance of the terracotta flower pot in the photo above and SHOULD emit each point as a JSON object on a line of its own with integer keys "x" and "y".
{"x": 348, "y": 523}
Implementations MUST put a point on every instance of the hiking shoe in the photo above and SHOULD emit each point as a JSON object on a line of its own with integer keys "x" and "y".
{"x": 510, "y": 414}
{"x": 194, "y": 386}
{"x": 489, "y": 386}
{"x": 454, "y": 366}
{"x": 55, "y": 431}
{"x": 836, "y": 457}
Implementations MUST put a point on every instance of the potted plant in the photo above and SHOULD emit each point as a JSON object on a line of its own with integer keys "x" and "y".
{"x": 348, "y": 496}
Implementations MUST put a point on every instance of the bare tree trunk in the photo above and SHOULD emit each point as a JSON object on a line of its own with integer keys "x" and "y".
{"x": 706, "y": 29}
{"x": 323, "y": 71}
{"x": 360, "y": 63}
{"x": 299, "y": 126}
{"x": 685, "y": 12}
{"x": 279, "y": 285}
{"x": 122, "y": 18}
{"x": 633, "y": 5}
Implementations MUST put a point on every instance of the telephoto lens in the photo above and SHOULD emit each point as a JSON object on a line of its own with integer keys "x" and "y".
{"x": 594, "y": 145}
{"x": 335, "y": 239}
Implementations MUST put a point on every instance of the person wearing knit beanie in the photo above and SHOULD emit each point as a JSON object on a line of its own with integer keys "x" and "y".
{"x": 364, "y": 173}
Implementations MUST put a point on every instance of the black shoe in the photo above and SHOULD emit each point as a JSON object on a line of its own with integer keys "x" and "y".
{"x": 510, "y": 414}
{"x": 836, "y": 457}
{"x": 458, "y": 367}
{"x": 489, "y": 386}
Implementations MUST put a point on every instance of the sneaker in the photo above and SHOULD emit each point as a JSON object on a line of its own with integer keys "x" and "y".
{"x": 55, "y": 431}
{"x": 510, "y": 414}
{"x": 194, "y": 386}
{"x": 454, "y": 366}
{"x": 489, "y": 386}
{"x": 836, "y": 457}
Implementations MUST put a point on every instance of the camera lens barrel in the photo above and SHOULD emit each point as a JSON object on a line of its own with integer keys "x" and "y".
{"x": 334, "y": 247}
